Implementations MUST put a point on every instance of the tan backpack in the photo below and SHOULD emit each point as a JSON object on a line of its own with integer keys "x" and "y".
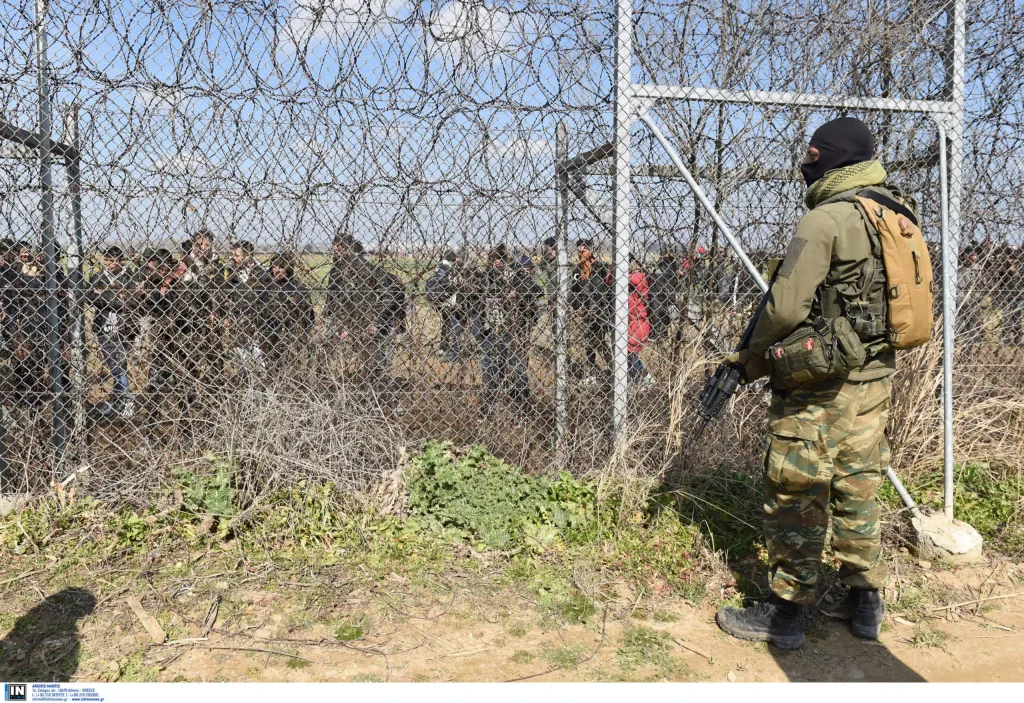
{"x": 908, "y": 268}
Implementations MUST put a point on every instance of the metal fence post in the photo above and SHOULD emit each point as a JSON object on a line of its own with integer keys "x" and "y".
{"x": 562, "y": 294}
{"x": 76, "y": 279}
{"x": 951, "y": 151}
{"x": 53, "y": 331}
{"x": 622, "y": 212}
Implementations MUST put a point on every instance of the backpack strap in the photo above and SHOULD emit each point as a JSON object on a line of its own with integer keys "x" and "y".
{"x": 885, "y": 201}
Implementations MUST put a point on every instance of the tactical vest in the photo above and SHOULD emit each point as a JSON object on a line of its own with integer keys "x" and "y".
{"x": 867, "y": 308}
{"x": 843, "y": 331}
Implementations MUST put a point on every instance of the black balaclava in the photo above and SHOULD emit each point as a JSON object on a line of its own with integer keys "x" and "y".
{"x": 841, "y": 142}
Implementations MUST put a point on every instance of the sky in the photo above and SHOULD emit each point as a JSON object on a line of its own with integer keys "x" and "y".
{"x": 420, "y": 123}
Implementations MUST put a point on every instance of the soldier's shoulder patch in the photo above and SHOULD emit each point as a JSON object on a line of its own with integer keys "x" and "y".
{"x": 793, "y": 252}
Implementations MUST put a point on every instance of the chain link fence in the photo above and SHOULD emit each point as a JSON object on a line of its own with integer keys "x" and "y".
{"x": 305, "y": 234}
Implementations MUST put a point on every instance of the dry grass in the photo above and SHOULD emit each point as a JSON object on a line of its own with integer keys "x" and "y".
{"x": 319, "y": 420}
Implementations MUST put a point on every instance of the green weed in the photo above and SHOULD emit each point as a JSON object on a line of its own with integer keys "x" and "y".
{"x": 929, "y": 638}
{"x": 521, "y": 657}
{"x": 726, "y": 503}
{"x": 988, "y": 498}
{"x": 474, "y": 495}
{"x": 641, "y": 647}
{"x": 296, "y": 663}
{"x": 209, "y": 494}
{"x": 347, "y": 632}
{"x": 577, "y": 609}
{"x": 665, "y": 616}
{"x": 566, "y": 657}
{"x": 517, "y": 629}
{"x": 910, "y": 600}
{"x": 132, "y": 669}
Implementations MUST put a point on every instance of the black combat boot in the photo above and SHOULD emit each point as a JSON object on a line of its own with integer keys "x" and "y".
{"x": 867, "y": 611}
{"x": 776, "y": 621}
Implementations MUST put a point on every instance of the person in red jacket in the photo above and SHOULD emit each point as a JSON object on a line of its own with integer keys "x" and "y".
{"x": 639, "y": 324}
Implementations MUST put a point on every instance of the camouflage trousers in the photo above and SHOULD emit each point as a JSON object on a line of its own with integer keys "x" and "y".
{"x": 826, "y": 449}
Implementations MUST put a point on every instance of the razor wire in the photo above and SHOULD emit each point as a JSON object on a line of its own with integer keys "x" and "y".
{"x": 321, "y": 224}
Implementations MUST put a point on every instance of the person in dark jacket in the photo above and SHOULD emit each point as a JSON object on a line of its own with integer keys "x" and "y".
{"x": 8, "y": 275}
{"x": 287, "y": 314}
{"x": 27, "y": 328}
{"x": 445, "y": 290}
{"x": 199, "y": 280}
{"x": 666, "y": 285}
{"x": 591, "y": 296}
{"x": 115, "y": 326}
{"x": 167, "y": 299}
{"x": 507, "y": 300}
{"x": 365, "y": 307}
{"x": 1010, "y": 295}
{"x": 246, "y": 289}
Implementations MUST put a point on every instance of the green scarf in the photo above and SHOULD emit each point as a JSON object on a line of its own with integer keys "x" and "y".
{"x": 862, "y": 175}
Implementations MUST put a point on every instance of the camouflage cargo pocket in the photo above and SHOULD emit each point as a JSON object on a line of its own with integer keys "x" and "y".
{"x": 792, "y": 456}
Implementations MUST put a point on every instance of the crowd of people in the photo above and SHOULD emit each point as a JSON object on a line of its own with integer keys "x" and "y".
{"x": 200, "y": 319}
{"x": 990, "y": 293}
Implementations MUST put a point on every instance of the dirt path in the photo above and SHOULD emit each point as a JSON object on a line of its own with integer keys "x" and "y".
{"x": 480, "y": 632}
{"x": 459, "y": 649}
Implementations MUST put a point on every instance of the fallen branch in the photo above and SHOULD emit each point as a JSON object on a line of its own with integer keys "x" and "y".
{"x": 156, "y": 633}
{"x": 695, "y": 650}
{"x": 21, "y": 576}
{"x": 979, "y": 600}
{"x": 256, "y": 649}
{"x": 211, "y": 617}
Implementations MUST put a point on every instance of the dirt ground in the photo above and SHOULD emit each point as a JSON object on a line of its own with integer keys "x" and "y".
{"x": 471, "y": 628}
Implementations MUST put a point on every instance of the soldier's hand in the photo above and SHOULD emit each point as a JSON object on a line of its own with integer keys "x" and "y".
{"x": 753, "y": 367}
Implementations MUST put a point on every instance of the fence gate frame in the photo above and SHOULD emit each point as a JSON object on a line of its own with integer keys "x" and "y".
{"x": 633, "y": 103}
{"x": 40, "y": 145}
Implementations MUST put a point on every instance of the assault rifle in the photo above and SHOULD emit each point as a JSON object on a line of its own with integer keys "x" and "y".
{"x": 726, "y": 379}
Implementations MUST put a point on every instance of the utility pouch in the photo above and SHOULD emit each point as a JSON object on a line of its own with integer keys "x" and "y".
{"x": 825, "y": 348}
{"x": 850, "y": 351}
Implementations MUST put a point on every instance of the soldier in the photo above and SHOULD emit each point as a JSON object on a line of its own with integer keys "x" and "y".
{"x": 826, "y": 439}
{"x": 445, "y": 291}
{"x": 115, "y": 325}
{"x": 365, "y": 306}
{"x": 286, "y": 310}
{"x": 508, "y": 300}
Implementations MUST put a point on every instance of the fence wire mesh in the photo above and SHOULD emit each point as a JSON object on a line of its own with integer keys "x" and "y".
{"x": 305, "y": 234}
